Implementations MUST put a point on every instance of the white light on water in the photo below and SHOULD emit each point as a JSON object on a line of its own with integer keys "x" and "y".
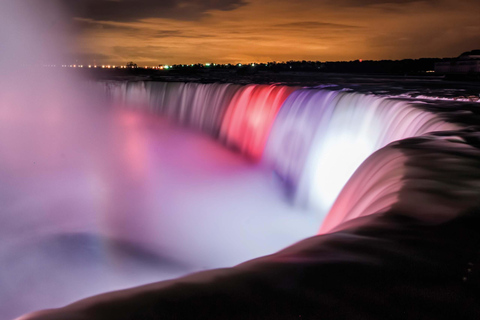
{"x": 337, "y": 158}
{"x": 321, "y": 137}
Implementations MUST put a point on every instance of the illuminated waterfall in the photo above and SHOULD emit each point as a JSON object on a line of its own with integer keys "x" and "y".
{"x": 95, "y": 200}
{"x": 129, "y": 93}
{"x": 196, "y": 105}
{"x": 250, "y": 116}
{"x": 321, "y": 137}
{"x": 372, "y": 189}
{"x": 200, "y": 106}
{"x": 313, "y": 139}
{"x": 433, "y": 178}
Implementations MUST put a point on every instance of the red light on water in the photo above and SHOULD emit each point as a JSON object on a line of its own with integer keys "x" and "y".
{"x": 250, "y": 116}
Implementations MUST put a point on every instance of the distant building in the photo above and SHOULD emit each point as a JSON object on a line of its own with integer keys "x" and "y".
{"x": 467, "y": 63}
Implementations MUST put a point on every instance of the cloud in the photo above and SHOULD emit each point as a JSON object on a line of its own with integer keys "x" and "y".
{"x": 134, "y": 10}
{"x": 366, "y": 3}
{"x": 87, "y": 57}
{"x": 126, "y": 29}
{"x": 315, "y": 25}
{"x": 146, "y": 53}
{"x": 191, "y": 31}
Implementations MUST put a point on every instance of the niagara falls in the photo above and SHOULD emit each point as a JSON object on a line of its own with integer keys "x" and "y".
{"x": 196, "y": 160}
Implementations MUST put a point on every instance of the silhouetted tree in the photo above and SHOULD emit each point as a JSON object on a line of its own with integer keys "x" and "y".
{"x": 131, "y": 65}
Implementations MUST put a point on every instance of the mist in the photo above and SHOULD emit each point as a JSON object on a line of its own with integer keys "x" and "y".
{"x": 96, "y": 197}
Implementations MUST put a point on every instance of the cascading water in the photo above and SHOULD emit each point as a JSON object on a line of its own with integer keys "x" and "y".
{"x": 250, "y": 116}
{"x": 97, "y": 199}
{"x": 196, "y": 105}
{"x": 200, "y": 106}
{"x": 432, "y": 179}
{"x": 314, "y": 139}
{"x": 321, "y": 137}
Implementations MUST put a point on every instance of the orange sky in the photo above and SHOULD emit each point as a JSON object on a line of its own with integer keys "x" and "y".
{"x": 152, "y": 32}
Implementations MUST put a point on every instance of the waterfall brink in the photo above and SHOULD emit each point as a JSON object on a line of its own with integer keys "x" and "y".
{"x": 250, "y": 116}
{"x": 127, "y": 93}
{"x": 321, "y": 137}
{"x": 313, "y": 139}
{"x": 431, "y": 178}
{"x": 196, "y": 105}
{"x": 200, "y": 106}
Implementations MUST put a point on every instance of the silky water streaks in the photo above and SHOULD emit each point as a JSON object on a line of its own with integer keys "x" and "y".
{"x": 321, "y": 137}
{"x": 196, "y": 105}
{"x": 313, "y": 139}
{"x": 250, "y": 116}
{"x": 432, "y": 178}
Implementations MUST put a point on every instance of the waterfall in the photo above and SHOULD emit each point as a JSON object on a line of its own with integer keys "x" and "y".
{"x": 196, "y": 105}
{"x": 250, "y": 116}
{"x": 433, "y": 178}
{"x": 313, "y": 139}
{"x": 321, "y": 137}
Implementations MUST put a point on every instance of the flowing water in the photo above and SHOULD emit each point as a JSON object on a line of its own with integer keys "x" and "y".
{"x": 114, "y": 184}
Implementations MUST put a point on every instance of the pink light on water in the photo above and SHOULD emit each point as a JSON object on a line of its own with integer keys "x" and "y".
{"x": 250, "y": 116}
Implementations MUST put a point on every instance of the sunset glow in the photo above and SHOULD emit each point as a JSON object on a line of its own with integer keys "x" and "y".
{"x": 153, "y": 33}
